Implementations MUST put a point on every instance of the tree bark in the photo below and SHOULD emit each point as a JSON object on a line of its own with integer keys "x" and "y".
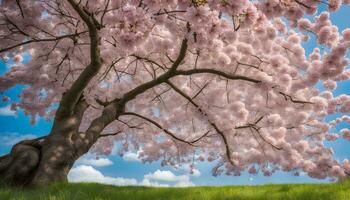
{"x": 39, "y": 162}
{"x": 19, "y": 166}
{"x": 57, "y": 158}
{"x": 47, "y": 159}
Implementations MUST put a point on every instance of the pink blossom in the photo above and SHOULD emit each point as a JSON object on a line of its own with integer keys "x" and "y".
{"x": 331, "y": 137}
{"x": 18, "y": 58}
{"x": 285, "y": 80}
{"x": 245, "y": 48}
{"x": 330, "y": 84}
{"x": 346, "y": 165}
{"x": 337, "y": 171}
{"x": 345, "y": 133}
{"x": 334, "y": 5}
{"x": 252, "y": 170}
{"x": 346, "y": 34}
{"x": 277, "y": 61}
{"x": 223, "y": 59}
{"x": 304, "y": 25}
{"x": 250, "y": 16}
{"x": 324, "y": 34}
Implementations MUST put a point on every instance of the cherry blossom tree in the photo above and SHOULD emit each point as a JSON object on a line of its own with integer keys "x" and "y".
{"x": 180, "y": 81}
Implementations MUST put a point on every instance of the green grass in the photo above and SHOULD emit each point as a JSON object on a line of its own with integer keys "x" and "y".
{"x": 86, "y": 191}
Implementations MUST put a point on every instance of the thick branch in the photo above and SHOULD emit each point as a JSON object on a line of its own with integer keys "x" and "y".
{"x": 109, "y": 114}
{"x": 107, "y": 117}
{"x": 159, "y": 80}
{"x": 163, "y": 78}
{"x": 180, "y": 57}
{"x": 71, "y": 97}
{"x": 116, "y": 107}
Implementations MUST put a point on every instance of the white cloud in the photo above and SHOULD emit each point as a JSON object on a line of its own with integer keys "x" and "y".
{"x": 11, "y": 138}
{"x": 146, "y": 182}
{"x": 184, "y": 184}
{"x": 168, "y": 176}
{"x": 86, "y": 173}
{"x": 97, "y": 162}
{"x": 130, "y": 156}
{"x": 6, "y": 111}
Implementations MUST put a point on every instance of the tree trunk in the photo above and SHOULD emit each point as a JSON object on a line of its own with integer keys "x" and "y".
{"x": 17, "y": 168}
{"x": 48, "y": 159}
{"x": 44, "y": 160}
{"x": 57, "y": 158}
{"x": 38, "y": 162}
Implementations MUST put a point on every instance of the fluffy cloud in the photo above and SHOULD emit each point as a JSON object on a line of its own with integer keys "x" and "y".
{"x": 10, "y": 138}
{"x": 168, "y": 176}
{"x": 6, "y": 111}
{"x": 85, "y": 173}
{"x": 159, "y": 178}
{"x": 97, "y": 162}
{"x": 148, "y": 183}
{"x": 129, "y": 156}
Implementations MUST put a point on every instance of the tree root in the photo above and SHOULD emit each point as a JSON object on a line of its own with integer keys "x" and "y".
{"x": 17, "y": 168}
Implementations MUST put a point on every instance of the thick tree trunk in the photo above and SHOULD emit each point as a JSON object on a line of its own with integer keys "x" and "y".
{"x": 45, "y": 160}
{"x": 38, "y": 162}
{"x": 57, "y": 157}
{"x": 18, "y": 167}
{"x": 48, "y": 159}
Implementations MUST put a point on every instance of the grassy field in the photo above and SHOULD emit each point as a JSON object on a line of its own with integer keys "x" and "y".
{"x": 86, "y": 191}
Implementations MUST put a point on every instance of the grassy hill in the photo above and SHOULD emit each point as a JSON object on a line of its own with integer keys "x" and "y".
{"x": 87, "y": 191}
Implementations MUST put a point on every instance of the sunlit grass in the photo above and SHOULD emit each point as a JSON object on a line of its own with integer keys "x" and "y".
{"x": 86, "y": 191}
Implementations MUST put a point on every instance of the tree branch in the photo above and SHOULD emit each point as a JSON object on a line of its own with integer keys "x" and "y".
{"x": 159, "y": 80}
{"x": 20, "y": 8}
{"x": 180, "y": 57}
{"x": 42, "y": 40}
{"x": 216, "y": 72}
{"x": 302, "y": 4}
{"x": 71, "y": 97}
{"x": 108, "y": 113}
{"x": 165, "y": 130}
{"x": 255, "y": 127}
{"x": 109, "y": 134}
{"x": 116, "y": 107}
{"x": 228, "y": 152}
{"x": 287, "y": 96}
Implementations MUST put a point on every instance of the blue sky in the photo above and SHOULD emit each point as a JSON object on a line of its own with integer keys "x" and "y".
{"x": 128, "y": 170}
